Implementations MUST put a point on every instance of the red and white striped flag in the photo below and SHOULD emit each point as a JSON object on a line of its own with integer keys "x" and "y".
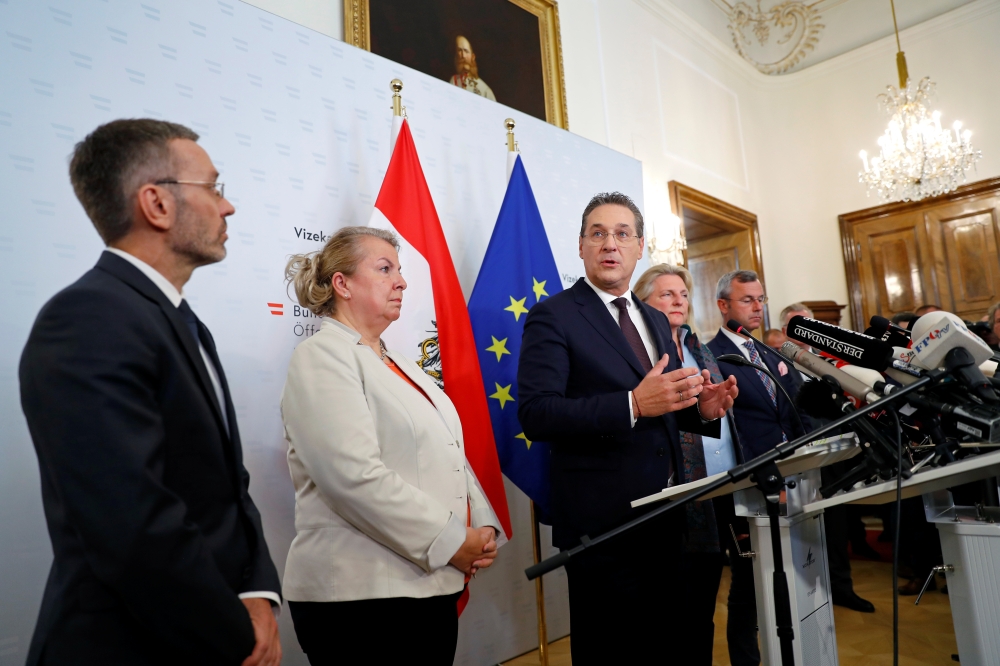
{"x": 434, "y": 322}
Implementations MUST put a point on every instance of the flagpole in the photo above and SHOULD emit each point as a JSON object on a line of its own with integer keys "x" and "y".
{"x": 536, "y": 539}
{"x": 536, "y": 551}
{"x": 398, "y": 112}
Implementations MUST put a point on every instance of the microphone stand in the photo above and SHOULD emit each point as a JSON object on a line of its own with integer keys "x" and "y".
{"x": 736, "y": 359}
{"x": 765, "y": 474}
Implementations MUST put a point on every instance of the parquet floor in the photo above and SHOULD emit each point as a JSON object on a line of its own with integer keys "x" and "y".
{"x": 926, "y": 635}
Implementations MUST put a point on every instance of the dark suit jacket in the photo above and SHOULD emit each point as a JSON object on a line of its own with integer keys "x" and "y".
{"x": 574, "y": 375}
{"x": 153, "y": 531}
{"x": 759, "y": 422}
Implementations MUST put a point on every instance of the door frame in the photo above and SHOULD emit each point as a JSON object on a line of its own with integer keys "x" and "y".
{"x": 686, "y": 200}
{"x": 849, "y": 244}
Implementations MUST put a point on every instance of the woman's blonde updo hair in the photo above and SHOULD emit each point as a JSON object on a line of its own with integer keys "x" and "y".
{"x": 312, "y": 273}
{"x": 644, "y": 285}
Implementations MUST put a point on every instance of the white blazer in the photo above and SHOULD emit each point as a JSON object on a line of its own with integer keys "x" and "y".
{"x": 382, "y": 486}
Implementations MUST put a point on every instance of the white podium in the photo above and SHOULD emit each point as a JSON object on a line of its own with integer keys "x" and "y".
{"x": 803, "y": 544}
{"x": 970, "y": 541}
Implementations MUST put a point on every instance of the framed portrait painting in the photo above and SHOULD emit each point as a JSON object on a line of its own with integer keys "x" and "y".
{"x": 505, "y": 50}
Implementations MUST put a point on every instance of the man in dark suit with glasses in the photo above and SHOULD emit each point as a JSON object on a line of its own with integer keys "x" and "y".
{"x": 159, "y": 553}
{"x": 600, "y": 380}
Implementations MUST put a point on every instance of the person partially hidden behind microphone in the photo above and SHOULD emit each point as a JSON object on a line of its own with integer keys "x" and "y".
{"x": 764, "y": 419}
{"x": 390, "y": 519}
{"x": 599, "y": 378}
{"x": 159, "y": 554}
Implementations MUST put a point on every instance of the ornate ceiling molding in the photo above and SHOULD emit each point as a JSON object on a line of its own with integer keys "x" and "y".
{"x": 794, "y": 26}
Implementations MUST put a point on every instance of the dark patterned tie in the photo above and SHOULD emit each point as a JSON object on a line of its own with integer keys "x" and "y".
{"x": 768, "y": 384}
{"x": 632, "y": 333}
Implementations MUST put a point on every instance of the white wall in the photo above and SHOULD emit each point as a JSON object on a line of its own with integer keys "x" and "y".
{"x": 646, "y": 80}
{"x": 784, "y": 147}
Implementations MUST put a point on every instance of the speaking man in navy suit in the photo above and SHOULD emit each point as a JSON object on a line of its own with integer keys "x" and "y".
{"x": 159, "y": 553}
{"x": 599, "y": 379}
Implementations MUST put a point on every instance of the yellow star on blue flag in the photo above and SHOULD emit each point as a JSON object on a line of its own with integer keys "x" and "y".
{"x": 518, "y": 261}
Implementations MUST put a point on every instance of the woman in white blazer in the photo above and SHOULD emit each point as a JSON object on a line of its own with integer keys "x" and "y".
{"x": 390, "y": 520}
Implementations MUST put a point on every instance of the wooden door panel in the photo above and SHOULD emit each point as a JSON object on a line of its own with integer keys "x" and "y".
{"x": 966, "y": 242}
{"x": 895, "y": 266}
{"x": 950, "y": 245}
{"x": 709, "y": 260}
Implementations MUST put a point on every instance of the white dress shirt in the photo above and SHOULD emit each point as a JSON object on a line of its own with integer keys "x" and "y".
{"x": 739, "y": 341}
{"x": 175, "y": 297}
{"x": 640, "y": 325}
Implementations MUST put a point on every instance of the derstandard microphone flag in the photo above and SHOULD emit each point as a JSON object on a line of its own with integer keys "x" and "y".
{"x": 517, "y": 272}
{"x": 434, "y": 322}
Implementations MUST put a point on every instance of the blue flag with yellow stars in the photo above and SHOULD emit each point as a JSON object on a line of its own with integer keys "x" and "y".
{"x": 517, "y": 272}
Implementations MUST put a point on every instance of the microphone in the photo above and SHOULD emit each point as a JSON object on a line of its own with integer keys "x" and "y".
{"x": 738, "y": 359}
{"x": 935, "y": 334}
{"x": 738, "y": 329}
{"x": 888, "y": 332}
{"x": 817, "y": 367}
{"x": 856, "y": 348}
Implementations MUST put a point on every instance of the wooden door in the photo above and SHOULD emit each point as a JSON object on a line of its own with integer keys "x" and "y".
{"x": 708, "y": 260}
{"x": 941, "y": 251}
{"x": 964, "y": 238}
{"x": 720, "y": 238}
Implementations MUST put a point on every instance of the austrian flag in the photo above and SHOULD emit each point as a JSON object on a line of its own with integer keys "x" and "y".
{"x": 434, "y": 324}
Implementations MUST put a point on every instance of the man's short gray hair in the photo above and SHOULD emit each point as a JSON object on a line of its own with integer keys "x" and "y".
{"x": 725, "y": 286}
{"x": 794, "y": 307}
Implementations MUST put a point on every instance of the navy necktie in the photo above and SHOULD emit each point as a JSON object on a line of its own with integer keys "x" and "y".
{"x": 189, "y": 317}
{"x": 632, "y": 333}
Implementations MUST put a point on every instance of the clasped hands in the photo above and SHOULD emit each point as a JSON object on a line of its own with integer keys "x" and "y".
{"x": 478, "y": 551}
{"x": 659, "y": 393}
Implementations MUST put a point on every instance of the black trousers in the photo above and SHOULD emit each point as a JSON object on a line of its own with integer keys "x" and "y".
{"x": 741, "y": 627}
{"x": 623, "y": 601}
{"x": 378, "y": 631}
{"x": 702, "y": 573}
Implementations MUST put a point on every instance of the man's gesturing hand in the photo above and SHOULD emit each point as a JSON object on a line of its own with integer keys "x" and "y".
{"x": 267, "y": 651}
{"x": 715, "y": 399}
{"x": 660, "y": 393}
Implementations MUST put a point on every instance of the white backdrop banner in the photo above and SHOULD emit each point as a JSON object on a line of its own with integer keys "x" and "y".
{"x": 299, "y": 125}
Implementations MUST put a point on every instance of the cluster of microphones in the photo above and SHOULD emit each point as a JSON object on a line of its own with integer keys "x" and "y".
{"x": 954, "y": 415}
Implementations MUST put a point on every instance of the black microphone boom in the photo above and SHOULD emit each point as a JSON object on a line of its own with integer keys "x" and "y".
{"x": 736, "y": 359}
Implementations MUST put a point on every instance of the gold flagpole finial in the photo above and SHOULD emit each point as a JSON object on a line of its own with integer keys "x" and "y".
{"x": 397, "y": 100}
{"x": 509, "y": 124}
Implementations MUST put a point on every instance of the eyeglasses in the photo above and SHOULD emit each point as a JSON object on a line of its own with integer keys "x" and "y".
{"x": 749, "y": 300}
{"x": 220, "y": 188}
{"x": 623, "y": 238}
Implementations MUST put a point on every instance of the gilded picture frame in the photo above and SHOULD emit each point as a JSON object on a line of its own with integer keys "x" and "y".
{"x": 358, "y": 32}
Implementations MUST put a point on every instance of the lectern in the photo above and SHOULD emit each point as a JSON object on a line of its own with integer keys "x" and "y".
{"x": 970, "y": 541}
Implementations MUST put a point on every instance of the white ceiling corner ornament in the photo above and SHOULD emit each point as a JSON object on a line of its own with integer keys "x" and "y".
{"x": 794, "y": 27}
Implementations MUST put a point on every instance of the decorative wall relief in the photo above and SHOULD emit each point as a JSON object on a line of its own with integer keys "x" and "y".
{"x": 777, "y": 38}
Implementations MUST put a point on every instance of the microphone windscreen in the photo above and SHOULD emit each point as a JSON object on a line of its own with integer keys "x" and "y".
{"x": 937, "y": 333}
{"x": 855, "y": 348}
{"x": 819, "y": 400}
{"x": 868, "y": 376}
{"x": 734, "y": 325}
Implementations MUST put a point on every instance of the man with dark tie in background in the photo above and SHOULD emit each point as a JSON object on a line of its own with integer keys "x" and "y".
{"x": 159, "y": 553}
{"x": 600, "y": 380}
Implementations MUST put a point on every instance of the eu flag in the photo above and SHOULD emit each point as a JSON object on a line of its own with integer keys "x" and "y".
{"x": 517, "y": 272}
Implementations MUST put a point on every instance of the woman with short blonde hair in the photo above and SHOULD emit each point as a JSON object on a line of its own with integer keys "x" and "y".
{"x": 668, "y": 288}
{"x": 390, "y": 520}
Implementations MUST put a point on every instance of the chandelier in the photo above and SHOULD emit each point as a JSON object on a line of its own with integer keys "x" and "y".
{"x": 917, "y": 157}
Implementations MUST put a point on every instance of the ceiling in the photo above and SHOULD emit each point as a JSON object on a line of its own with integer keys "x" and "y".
{"x": 784, "y": 36}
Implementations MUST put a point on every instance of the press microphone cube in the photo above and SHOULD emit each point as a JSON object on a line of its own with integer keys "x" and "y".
{"x": 935, "y": 334}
